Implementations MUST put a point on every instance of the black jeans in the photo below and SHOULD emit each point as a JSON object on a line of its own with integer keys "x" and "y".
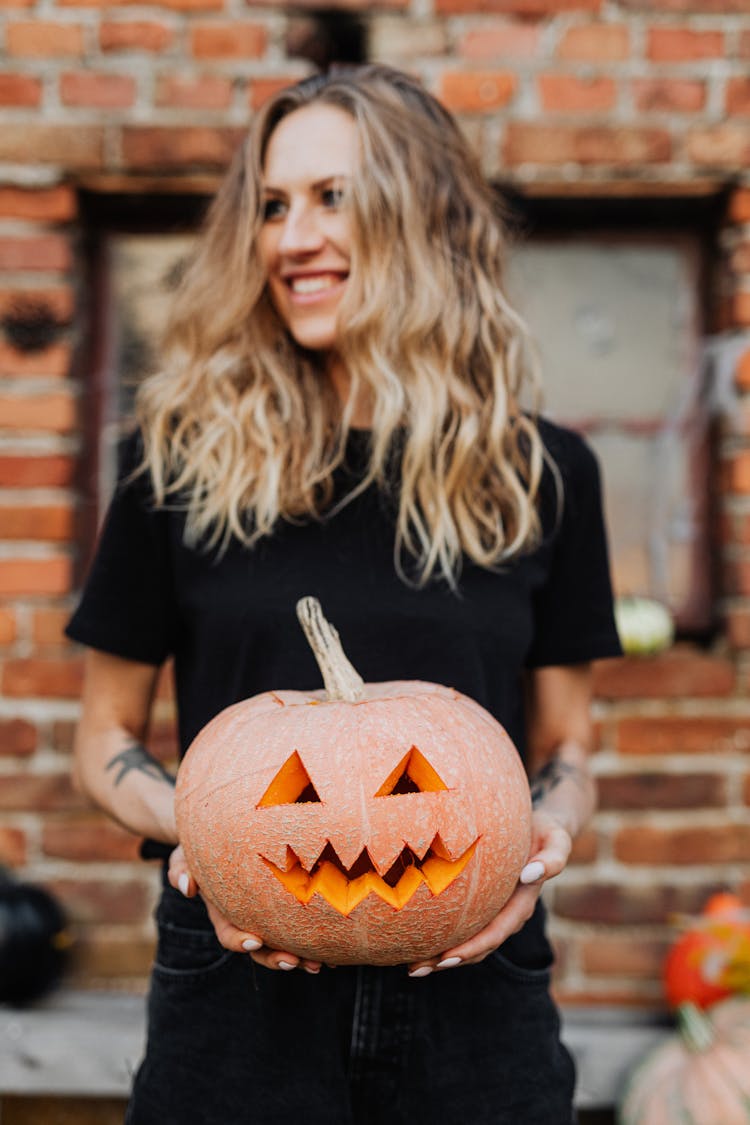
{"x": 232, "y": 1043}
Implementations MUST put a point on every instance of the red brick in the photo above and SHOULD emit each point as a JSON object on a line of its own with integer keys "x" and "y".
{"x": 55, "y": 471}
{"x": 17, "y": 3}
{"x": 526, "y": 8}
{"x": 36, "y": 521}
{"x": 7, "y": 626}
{"x": 679, "y": 673}
{"x": 12, "y": 847}
{"x": 228, "y": 41}
{"x": 35, "y": 252}
{"x": 624, "y": 146}
{"x": 51, "y": 362}
{"x": 57, "y": 302}
{"x": 88, "y": 837}
{"x": 63, "y": 736}
{"x": 71, "y": 146}
{"x": 208, "y": 91}
{"x": 661, "y": 791}
{"x": 564, "y": 93}
{"x": 476, "y": 91}
{"x": 20, "y": 90}
{"x": 743, "y": 49}
{"x": 47, "y": 678}
{"x": 53, "y": 205}
{"x": 725, "y": 843}
{"x": 136, "y": 35}
{"x": 620, "y": 904}
{"x": 688, "y": 734}
{"x": 669, "y": 95}
{"x": 736, "y": 576}
{"x": 738, "y": 628}
{"x": 628, "y": 956}
{"x": 111, "y": 959}
{"x": 54, "y": 412}
{"x": 726, "y": 145}
{"x": 18, "y": 738}
{"x": 111, "y": 901}
{"x": 39, "y": 792}
{"x": 683, "y": 44}
{"x": 20, "y": 577}
{"x": 738, "y": 96}
{"x": 585, "y": 847}
{"x": 511, "y": 40}
{"x": 746, "y": 790}
{"x": 261, "y": 89}
{"x": 97, "y": 90}
{"x": 178, "y": 147}
{"x": 44, "y": 39}
{"x": 740, "y": 308}
{"x": 173, "y": 5}
{"x": 48, "y": 625}
{"x": 597, "y": 43}
{"x": 735, "y": 473}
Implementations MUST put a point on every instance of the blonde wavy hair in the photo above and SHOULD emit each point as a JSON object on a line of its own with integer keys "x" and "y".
{"x": 242, "y": 428}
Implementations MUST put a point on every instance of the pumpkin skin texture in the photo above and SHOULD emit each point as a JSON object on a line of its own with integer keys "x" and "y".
{"x": 700, "y": 1075}
{"x": 379, "y": 830}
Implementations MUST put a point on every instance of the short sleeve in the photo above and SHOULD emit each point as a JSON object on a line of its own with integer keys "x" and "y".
{"x": 573, "y": 608}
{"x": 126, "y": 607}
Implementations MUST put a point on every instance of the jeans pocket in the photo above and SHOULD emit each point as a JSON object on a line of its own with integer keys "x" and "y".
{"x": 523, "y": 974}
{"x": 188, "y": 953}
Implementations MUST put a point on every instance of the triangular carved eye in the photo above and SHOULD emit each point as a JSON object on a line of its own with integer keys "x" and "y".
{"x": 413, "y": 774}
{"x": 291, "y": 785}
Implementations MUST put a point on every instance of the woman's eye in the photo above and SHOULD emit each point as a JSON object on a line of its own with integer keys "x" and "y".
{"x": 272, "y": 209}
{"x": 333, "y": 197}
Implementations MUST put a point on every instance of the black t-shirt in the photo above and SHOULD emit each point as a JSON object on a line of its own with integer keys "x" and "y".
{"x": 229, "y": 619}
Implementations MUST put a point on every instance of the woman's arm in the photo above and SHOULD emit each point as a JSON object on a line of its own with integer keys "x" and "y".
{"x": 563, "y": 799}
{"x": 111, "y": 765}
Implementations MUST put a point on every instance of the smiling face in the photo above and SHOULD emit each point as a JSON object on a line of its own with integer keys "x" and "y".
{"x": 305, "y": 240}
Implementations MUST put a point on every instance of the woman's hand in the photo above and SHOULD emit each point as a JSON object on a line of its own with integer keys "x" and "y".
{"x": 550, "y": 849}
{"x": 239, "y": 941}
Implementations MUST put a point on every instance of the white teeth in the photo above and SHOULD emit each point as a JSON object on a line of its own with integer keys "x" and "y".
{"x": 312, "y": 284}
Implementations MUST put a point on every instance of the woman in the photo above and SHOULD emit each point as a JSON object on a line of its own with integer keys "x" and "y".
{"x": 339, "y": 414}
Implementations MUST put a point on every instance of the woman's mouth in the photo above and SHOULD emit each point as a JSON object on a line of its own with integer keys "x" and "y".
{"x": 309, "y": 287}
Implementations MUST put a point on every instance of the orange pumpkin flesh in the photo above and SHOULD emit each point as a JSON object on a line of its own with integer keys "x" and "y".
{"x": 377, "y": 829}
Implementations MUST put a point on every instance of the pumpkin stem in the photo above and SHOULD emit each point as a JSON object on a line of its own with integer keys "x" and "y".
{"x": 696, "y": 1028}
{"x": 341, "y": 679}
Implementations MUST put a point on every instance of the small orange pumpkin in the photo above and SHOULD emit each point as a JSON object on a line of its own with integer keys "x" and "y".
{"x": 699, "y": 1076}
{"x": 366, "y": 823}
{"x": 711, "y": 959}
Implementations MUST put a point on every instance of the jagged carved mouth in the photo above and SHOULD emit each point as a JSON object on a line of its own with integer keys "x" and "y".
{"x": 344, "y": 888}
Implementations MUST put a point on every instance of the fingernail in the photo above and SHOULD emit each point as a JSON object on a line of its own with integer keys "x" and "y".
{"x": 448, "y": 963}
{"x": 250, "y": 944}
{"x": 286, "y": 965}
{"x": 423, "y": 972}
{"x": 313, "y": 971}
{"x": 532, "y": 872}
{"x": 184, "y": 883}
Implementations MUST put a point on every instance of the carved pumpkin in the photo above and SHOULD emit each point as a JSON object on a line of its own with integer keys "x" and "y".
{"x": 366, "y": 823}
{"x": 699, "y": 1076}
{"x": 711, "y": 959}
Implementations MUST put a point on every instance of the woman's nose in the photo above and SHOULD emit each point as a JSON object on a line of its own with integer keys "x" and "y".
{"x": 301, "y": 233}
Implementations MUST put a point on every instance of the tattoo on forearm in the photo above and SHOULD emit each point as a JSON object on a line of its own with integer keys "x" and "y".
{"x": 551, "y": 775}
{"x": 135, "y": 756}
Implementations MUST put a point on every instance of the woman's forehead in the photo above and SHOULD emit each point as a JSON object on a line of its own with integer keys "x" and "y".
{"x": 313, "y": 143}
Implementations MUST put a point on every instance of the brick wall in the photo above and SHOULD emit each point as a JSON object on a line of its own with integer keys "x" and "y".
{"x": 568, "y": 96}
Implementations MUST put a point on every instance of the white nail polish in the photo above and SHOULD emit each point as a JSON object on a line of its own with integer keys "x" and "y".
{"x": 532, "y": 872}
{"x": 423, "y": 972}
{"x": 449, "y": 963}
{"x": 285, "y": 965}
{"x": 184, "y": 883}
{"x": 250, "y": 944}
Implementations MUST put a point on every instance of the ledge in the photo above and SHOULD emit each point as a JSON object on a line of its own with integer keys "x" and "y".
{"x": 89, "y": 1043}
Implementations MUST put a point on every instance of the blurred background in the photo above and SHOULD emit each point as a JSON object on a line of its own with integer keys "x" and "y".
{"x": 618, "y": 133}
